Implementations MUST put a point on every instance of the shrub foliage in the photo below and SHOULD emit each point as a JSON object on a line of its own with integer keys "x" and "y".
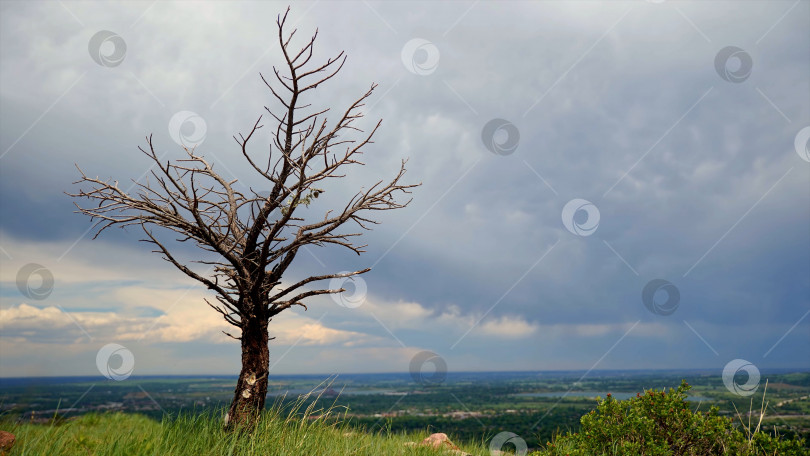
{"x": 660, "y": 423}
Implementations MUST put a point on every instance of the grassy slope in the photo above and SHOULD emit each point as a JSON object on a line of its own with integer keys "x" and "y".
{"x": 306, "y": 431}
{"x": 125, "y": 434}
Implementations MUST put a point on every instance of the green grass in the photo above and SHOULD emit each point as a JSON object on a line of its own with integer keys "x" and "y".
{"x": 279, "y": 432}
{"x": 123, "y": 434}
{"x": 657, "y": 423}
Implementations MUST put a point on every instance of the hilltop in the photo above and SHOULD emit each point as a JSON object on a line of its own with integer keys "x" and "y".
{"x": 653, "y": 423}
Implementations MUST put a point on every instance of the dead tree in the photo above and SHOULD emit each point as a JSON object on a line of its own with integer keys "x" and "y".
{"x": 251, "y": 239}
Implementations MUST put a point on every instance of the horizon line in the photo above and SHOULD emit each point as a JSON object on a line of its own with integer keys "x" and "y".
{"x": 338, "y": 374}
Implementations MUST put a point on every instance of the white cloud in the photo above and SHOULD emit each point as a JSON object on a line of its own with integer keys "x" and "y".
{"x": 86, "y": 262}
{"x": 508, "y": 327}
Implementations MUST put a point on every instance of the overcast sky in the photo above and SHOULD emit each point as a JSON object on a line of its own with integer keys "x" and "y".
{"x": 572, "y": 154}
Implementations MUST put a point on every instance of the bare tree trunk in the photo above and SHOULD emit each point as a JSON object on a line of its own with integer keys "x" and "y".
{"x": 254, "y": 237}
{"x": 251, "y": 388}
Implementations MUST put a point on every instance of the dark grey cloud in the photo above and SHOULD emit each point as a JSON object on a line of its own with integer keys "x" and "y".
{"x": 695, "y": 178}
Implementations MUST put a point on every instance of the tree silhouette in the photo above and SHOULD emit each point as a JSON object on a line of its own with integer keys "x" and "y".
{"x": 251, "y": 239}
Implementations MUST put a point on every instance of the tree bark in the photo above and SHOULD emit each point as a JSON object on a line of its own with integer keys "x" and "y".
{"x": 251, "y": 388}
{"x": 250, "y": 239}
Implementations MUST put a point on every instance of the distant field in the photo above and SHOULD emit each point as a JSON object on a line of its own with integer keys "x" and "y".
{"x": 471, "y": 407}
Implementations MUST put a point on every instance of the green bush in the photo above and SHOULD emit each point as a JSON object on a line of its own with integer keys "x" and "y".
{"x": 658, "y": 423}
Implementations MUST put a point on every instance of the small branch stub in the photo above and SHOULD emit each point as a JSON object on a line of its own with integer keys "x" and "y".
{"x": 249, "y": 238}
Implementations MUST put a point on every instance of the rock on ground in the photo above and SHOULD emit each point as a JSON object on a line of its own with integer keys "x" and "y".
{"x": 6, "y": 441}
{"x": 439, "y": 440}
